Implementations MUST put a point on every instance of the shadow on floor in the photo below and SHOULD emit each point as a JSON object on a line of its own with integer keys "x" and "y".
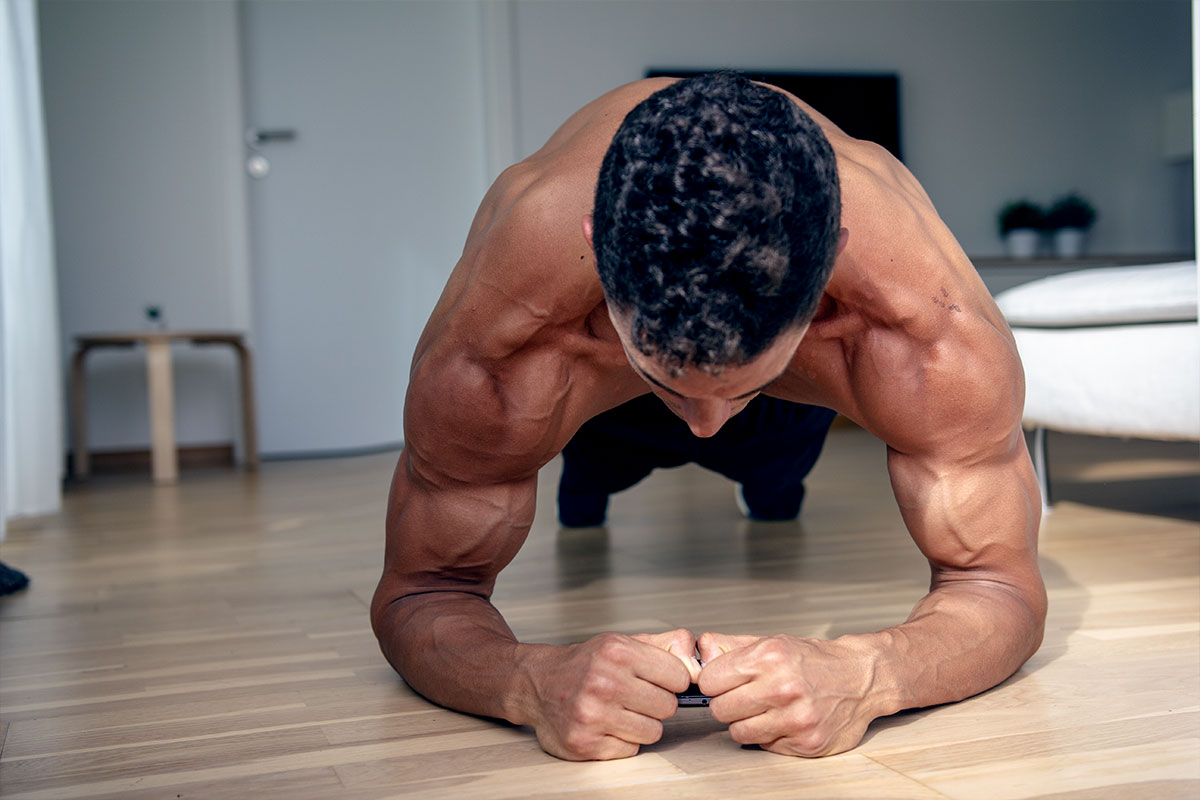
{"x": 1137, "y": 476}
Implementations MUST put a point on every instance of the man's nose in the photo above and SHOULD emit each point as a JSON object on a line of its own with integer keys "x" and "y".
{"x": 705, "y": 417}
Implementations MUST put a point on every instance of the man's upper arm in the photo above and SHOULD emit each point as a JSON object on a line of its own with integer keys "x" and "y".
{"x": 463, "y": 494}
{"x": 974, "y": 520}
{"x": 960, "y": 470}
{"x": 447, "y": 535}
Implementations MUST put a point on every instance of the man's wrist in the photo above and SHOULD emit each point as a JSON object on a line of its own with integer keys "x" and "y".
{"x": 521, "y": 698}
{"x": 878, "y": 657}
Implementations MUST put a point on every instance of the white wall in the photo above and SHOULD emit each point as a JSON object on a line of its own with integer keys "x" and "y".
{"x": 999, "y": 99}
{"x": 143, "y": 117}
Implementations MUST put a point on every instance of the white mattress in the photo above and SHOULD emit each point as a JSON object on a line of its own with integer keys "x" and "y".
{"x": 1111, "y": 351}
{"x": 1120, "y": 380}
{"x": 1104, "y": 296}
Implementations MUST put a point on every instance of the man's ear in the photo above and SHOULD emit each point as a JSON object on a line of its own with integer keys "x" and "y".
{"x": 587, "y": 230}
{"x": 843, "y": 237}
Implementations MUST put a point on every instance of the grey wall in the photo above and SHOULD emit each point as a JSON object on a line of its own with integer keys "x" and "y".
{"x": 999, "y": 99}
{"x": 145, "y": 123}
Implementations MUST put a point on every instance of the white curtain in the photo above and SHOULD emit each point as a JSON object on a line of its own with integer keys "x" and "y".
{"x": 31, "y": 392}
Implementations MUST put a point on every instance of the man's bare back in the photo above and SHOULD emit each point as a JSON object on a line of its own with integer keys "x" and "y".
{"x": 522, "y": 349}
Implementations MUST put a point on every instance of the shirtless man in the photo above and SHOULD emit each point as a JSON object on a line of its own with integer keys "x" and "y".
{"x": 712, "y": 227}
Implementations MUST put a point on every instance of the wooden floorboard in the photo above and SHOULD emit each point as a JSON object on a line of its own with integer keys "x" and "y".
{"x": 210, "y": 639}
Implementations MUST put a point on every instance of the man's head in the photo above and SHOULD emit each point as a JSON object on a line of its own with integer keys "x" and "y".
{"x": 716, "y": 223}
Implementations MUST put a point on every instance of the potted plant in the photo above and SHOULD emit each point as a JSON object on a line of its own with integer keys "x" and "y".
{"x": 1020, "y": 227}
{"x": 1068, "y": 220}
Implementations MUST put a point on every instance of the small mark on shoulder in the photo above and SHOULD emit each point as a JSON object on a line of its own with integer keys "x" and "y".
{"x": 942, "y": 301}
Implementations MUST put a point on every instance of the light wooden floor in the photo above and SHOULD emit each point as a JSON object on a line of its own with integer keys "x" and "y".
{"x": 210, "y": 640}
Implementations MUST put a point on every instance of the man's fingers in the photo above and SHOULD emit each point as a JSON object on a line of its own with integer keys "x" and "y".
{"x": 714, "y": 645}
{"x": 651, "y": 700}
{"x": 613, "y": 748}
{"x": 656, "y": 666}
{"x": 754, "y": 730}
{"x": 725, "y": 668}
{"x": 736, "y": 704}
{"x": 679, "y": 643}
{"x": 688, "y": 658}
{"x": 638, "y": 728}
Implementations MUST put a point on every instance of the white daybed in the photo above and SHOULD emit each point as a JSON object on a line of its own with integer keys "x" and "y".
{"x": 1111, "y": 351}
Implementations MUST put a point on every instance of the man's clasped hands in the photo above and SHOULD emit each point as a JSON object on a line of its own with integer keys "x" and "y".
{"x": 607, "y": 696}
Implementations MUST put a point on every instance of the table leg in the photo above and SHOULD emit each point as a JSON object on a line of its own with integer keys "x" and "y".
{"x": 162, "y": 412}
{"x": 249, "y": 428}
{"x": 81, "y": 464}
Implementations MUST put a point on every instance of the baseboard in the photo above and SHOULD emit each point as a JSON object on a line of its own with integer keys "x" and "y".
{"x": 190, "y": 457}
{"x": 344, "y": 452}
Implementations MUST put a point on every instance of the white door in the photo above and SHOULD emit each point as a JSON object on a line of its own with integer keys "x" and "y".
{"x": 360, "y": 217}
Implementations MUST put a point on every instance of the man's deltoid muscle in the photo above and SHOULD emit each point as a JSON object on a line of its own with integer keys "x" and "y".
{"x": 705, "y": 271}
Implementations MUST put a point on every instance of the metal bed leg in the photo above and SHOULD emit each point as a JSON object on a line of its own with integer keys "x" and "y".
{"x": 1041, "y": 465}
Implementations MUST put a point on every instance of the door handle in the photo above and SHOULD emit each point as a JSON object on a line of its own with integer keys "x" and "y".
{"x": 257, "y": 136}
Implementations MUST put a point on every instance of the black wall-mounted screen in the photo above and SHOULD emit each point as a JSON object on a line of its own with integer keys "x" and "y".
{"x": 864, "y": 106}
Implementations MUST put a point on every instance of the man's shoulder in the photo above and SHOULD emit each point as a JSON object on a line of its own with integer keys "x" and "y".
{"x": 909, "y": 342}
{"x": 487, "y": 419}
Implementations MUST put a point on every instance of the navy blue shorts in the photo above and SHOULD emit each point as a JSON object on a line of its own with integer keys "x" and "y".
{"x": 768, "y": 448}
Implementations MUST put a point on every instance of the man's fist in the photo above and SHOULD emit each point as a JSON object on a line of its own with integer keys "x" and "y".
{"x": 606, "y": 697}
{"x": 793, "y": 696}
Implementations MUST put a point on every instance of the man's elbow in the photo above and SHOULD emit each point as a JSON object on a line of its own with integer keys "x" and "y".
{"x": 1039, "y": 606}
{"x": 389, "y": 617}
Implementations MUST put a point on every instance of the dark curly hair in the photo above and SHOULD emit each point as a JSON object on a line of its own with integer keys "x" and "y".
{"x": 716, "y": 220}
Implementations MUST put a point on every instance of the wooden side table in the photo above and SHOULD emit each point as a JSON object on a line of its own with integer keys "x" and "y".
{"x": 164, "y": 457}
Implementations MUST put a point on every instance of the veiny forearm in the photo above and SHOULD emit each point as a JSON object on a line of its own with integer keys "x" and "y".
{"x": 456, "y": 650}
{"x": 963, "y": 638}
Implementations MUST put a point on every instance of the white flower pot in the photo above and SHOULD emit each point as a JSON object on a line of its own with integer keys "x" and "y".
{"x": 1069, "y": 242}
{"x": 1021, "y": 242}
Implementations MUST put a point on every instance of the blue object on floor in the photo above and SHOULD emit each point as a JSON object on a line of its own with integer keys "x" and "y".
{"x": 11, "y": 580}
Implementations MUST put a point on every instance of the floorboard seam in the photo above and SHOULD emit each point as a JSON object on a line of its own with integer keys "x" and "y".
{"x": 906, "y": 777}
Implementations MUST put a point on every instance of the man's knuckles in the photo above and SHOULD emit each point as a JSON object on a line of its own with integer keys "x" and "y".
{"x": 615, "y": 648}
{"x": 582, "y": 741}
{"x": 792, "y": 691}
{"x": 587, "y": 745}
{"x": 585, "y": 713}
{"x": 773, "y": 652}
{"x": 598, "y": 684}
{"x": 715, "y": 645}
{"x": 681, "y": 641}
{"x": 812, "y": 743}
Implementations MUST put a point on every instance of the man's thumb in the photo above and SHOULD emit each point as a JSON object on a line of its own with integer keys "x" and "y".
{"x": 713, "y": 645}
{"x": 688, "y": 659}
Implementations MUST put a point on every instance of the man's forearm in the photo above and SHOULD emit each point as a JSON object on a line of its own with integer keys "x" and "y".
{"x": 961, "y": 639}
{"x": 456, "y": 650}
